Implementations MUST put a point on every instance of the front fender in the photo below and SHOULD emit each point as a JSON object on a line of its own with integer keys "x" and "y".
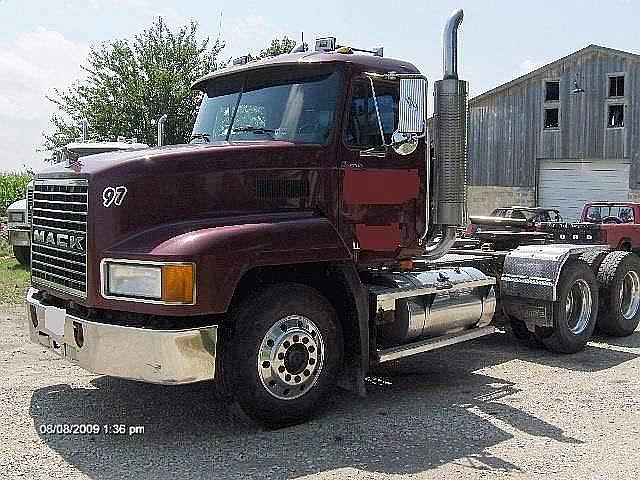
{"x": 225, "y": 249}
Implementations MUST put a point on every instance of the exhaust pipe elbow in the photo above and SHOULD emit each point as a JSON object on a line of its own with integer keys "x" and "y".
{"x": 450, "y": 45}
{"x": 437, "y": 250}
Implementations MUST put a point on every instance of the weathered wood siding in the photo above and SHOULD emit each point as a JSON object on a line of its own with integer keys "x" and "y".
{"x": 506, "y": 134}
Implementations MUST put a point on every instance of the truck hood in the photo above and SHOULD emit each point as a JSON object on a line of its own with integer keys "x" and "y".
{"x": 174, "y": 184}
{"x": 168, "y": 158}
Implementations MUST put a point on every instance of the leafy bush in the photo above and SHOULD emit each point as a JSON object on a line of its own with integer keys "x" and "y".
{"x": 12, "y": 187}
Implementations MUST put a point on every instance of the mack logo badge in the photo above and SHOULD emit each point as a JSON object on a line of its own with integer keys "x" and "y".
{"x": 412, "y": 103}
{"x": 64, "y": 241}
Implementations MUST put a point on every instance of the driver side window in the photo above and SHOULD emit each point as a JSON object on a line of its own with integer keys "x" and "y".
{"x": 362, "y": 128}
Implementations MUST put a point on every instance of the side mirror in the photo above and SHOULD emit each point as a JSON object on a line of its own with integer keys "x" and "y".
{"x": 413, "y": 106}
{"x": 412, "y": 110}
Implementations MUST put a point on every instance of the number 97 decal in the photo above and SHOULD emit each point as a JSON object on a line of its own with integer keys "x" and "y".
{"x": 113, "y": 196}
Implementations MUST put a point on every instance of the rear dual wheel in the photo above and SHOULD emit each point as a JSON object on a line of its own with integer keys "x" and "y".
{"x": 619, "y": 277}
{"x": 574, "y": 312}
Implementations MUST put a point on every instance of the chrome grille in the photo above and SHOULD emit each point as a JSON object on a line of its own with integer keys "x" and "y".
{"x": 29, "y": 202}
{"x": 58, "y": 235}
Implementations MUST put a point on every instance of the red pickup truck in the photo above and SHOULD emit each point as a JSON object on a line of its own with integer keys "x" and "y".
{"x": 613, "y": 223}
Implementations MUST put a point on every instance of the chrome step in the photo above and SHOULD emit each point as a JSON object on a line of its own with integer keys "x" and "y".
{"x": 429, "y": 344}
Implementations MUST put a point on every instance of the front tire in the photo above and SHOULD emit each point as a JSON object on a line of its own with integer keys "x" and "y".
{"x": 23, "y": 255}
{"x": 284, "y": 355}
{"x": 619, "y": 275}
{"x": 575, "y": 311}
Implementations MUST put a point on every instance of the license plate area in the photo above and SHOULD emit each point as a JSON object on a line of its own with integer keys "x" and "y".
{"x": 54, "y": 319}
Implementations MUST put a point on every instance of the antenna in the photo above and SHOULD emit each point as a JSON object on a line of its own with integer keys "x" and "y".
{"x": 220, "y": 26}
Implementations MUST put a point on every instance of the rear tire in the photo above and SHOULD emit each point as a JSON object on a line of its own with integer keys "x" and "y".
{"x": 521, "y": 332}
{"x": 593, "y": 258}
{"x": 283, "y": 356}
{"x": 575, "y": 311}
{"x": 23, "y": 255}
{"x": 619, "y": 277}
{"x": 519, "y": 329}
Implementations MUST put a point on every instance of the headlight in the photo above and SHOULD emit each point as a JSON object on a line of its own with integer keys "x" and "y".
{"x": 170, "y": 282}
{"x": 16, "y": 217}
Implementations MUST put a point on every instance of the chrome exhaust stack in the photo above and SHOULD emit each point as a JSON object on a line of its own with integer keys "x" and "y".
{"x": 84, "y": 125}
{"x": 161, "y": 123}
{"x": 450, "y": 135}
{"x": 450, "y": 45}
{"x": 450, "y": 145}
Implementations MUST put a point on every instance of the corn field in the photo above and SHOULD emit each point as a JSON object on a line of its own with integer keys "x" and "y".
{"x": 12, "y": 187}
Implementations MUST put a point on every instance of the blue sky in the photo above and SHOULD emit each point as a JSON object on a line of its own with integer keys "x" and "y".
{"x": 42, "y": 43}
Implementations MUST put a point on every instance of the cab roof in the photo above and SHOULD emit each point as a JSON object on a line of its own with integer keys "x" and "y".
{"x": 357, "y": 61}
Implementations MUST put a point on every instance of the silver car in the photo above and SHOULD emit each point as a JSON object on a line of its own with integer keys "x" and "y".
{"x": 19, "y": 231}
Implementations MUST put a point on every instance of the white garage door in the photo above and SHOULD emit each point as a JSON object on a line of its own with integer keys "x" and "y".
{"x": 568, "y": 185}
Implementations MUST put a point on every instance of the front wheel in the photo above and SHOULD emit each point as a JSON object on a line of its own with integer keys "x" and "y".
{"x": 575, "y": 311}
{"x": 283, "y": 357}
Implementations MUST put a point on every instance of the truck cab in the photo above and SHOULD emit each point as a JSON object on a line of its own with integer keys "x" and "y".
{"x": 297, "y": 175}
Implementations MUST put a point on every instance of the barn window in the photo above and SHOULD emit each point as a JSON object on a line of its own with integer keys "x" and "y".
{"x": 616, "y": 86}
{"x": 551, "y": 118}
{"x": 616, "y": 116}
{"x": 552, "y": 91}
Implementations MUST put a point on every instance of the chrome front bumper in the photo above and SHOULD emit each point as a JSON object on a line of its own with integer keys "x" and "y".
{"x": 155, "y": 356}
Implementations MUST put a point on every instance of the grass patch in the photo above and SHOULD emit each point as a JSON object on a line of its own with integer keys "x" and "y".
{"x": 14, "y": 281}
{"x": 14, "y": 278}
{"x": 5, "y": 248}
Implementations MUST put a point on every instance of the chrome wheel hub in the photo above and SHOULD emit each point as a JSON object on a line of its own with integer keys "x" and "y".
{"x": 578, "y": 307}
{"x": 630, "y": 295}
{"x": 290, "y": 358}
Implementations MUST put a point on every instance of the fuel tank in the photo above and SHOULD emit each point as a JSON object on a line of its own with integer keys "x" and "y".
{"x": 445, "y": 301}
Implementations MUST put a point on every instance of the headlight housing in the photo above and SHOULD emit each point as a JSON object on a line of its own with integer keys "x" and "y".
{"x": 154, "y": 282}
{"x": 16, "y": 217}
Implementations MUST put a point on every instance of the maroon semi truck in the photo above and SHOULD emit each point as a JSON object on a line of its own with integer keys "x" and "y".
{"x": 298, "y": 241}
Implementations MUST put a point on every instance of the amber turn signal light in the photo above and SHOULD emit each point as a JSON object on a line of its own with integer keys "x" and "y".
{"x": 177, "y": 283}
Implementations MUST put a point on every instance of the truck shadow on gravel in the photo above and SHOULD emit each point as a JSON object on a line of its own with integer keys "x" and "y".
{"x": 419, "y": 413}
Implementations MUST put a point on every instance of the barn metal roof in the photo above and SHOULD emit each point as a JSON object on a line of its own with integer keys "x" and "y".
{"x": 590, "y": 49}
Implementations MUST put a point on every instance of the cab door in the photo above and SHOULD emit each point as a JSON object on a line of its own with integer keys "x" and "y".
{"x": 382, "y": 198}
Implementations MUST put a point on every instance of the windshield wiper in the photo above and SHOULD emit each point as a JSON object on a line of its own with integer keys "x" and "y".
{"x": 258, "y": 130}
{"x": 200, "y": 136}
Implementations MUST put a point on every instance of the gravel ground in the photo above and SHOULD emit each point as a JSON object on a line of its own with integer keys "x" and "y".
{"x": 486, "y": 409}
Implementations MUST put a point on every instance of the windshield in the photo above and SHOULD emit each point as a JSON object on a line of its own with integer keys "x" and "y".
{"x": 617, "y": 213}
{"x": 286, "y": 106}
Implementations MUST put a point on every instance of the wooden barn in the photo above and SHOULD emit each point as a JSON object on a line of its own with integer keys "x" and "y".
{"x": 564, "y": 134}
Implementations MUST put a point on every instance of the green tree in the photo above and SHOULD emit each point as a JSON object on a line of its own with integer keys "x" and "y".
{"x": 278, "y": 46}
{"x": 130, "y": 83}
